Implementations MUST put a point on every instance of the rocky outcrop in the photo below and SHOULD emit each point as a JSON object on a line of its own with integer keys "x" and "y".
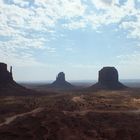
{"x": 107, "y": 75}
{"x": 7, "y": 85}
{"x": 5, "y": 76}
{"x": 108, "y": 79}
{"x": 60, "y": 78}
{"x": 60, "y": 82}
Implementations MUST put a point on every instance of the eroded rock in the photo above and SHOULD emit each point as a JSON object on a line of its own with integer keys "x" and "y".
{"x": 5, "y": 76}
{"x": 108, "y": 79}
{"x": 61, "y": 82}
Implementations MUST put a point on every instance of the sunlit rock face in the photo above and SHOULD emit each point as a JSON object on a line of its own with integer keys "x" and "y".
{"x": 108, "y": 79}
{"x": 5, "y": 76}
{"x": 60, "y": 82}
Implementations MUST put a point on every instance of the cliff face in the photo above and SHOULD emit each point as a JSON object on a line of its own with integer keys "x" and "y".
{"x": 60, "y": 82}
{"x": 60, "y": 78}
{"x": 108, "y": 79}
{"x": 8, "y": 87}
{"x": 108, "y": 75}
{"x": 5, "y": 76}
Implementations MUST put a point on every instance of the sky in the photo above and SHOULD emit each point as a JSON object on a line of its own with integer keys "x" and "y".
{"x": 40, "y": 38}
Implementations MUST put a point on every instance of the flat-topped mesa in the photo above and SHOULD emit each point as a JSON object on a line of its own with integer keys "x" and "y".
{"x": 108, "y": 79}
{"x": 5, "y": 75}
{"x": 61, "y": 82}
{"x": 108, "y": 75}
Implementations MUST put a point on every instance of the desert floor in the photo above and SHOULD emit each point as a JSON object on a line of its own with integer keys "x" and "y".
{"x": 79, "y": 115}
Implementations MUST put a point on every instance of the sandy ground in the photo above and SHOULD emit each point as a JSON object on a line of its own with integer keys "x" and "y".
{"x": 102, "y": 115}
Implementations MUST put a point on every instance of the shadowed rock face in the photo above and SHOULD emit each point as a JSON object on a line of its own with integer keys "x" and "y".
{"x": 108, "y": 75}
{"x": 108, "y": 79}
{"x": 60, "y": 82}
{"x": 60, "y": 77}
{"x": 5, "y": 76}
{"x": 8, "y": 87}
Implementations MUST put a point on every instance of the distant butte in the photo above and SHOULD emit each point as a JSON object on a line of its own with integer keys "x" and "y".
{"x": 60, "y": 82}
{"x": 108, "y": 79}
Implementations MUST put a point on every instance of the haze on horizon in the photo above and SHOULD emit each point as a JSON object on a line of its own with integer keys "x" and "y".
{"x": 40, "y": 38}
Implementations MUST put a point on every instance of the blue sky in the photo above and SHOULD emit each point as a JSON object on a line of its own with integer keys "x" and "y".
{"x": 40, "y": 38}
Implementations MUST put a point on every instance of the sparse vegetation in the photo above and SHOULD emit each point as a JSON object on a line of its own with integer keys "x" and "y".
{"x": 95, "y": 115}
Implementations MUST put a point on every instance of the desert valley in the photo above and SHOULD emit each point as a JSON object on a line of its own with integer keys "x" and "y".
{"x": 69, "y": 69}
{"x": 107, "y": 110}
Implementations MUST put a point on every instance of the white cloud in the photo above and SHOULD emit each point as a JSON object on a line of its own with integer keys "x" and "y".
{"x": 12, "y": 57}
{"x": 75, "y": 24}
{"x": 25, "y": 24}
{"x": 133, "y": 27}
{"x": 102, "y": 4}
{"x": 25, "y": 27}
{"x": 105, "y": 12}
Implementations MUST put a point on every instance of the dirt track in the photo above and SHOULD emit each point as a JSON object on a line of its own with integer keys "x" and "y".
{"x": 11, "y": 119}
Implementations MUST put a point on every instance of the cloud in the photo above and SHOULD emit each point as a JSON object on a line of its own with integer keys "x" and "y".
{"x": 11, "y": 56}
{"x": 133, "y": 27}
{"x": 102, "y": 4}
{"x": 29, "y": 24}
{"x": 105, "y": 12}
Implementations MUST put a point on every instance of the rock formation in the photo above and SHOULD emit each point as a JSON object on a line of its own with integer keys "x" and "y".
{"x": 60, "y": 82}
{"x": 7, "y": 85}
{"x": 5, "y": 76}
{"x": 108, "y": 79}
{"x": 60, "y": 77}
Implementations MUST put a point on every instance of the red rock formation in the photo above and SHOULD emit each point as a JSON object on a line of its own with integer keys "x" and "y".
{"x": 61, "y": 77}
{"x": 108, "y": 75}
{"x": 5, "y": 75}
{"x": 60, "y": 82}
{"x": 108, "y": 79}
